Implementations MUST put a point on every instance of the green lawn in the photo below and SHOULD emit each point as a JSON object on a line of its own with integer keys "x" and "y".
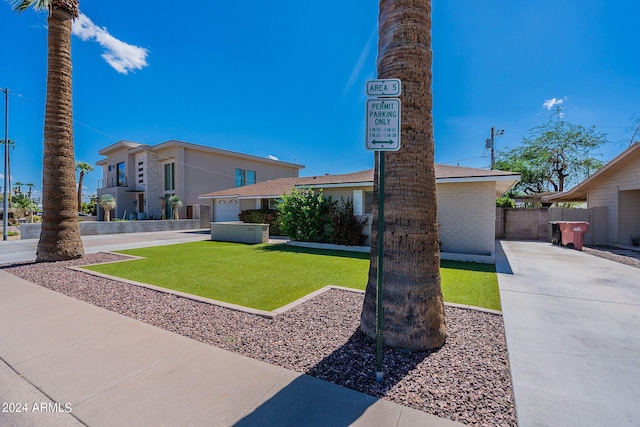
{"x": 267, "y": 277}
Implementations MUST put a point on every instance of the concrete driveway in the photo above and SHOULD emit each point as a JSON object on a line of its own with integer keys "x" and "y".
{"x": 572, "y": 323}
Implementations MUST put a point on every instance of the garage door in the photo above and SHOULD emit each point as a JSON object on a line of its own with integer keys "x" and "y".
{"x": 226, "y": 210}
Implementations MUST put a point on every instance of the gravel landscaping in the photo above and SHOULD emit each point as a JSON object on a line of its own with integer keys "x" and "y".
{"x": 609, "y": 253}
{"x": 467, "y": 380}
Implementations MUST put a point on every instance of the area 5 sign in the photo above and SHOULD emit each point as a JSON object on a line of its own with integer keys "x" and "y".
{"x": 386, "y": 87}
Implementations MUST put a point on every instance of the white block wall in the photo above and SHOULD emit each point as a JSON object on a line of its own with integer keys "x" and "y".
{"x": 466, "y": 215}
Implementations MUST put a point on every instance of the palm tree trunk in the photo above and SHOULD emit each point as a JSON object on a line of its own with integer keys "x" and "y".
{"x": 80, "y": 179}
{"x": 60, "y": 235}
{"x": 413, "y": 307}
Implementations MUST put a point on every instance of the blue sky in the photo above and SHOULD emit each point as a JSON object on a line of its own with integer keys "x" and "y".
{"x": 287, "y": 79}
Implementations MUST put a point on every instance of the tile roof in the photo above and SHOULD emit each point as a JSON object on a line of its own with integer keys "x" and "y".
{"x": 276, "y": 187}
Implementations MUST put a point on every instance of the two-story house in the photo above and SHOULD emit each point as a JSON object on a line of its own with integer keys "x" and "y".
{"x": 142, "y": 177}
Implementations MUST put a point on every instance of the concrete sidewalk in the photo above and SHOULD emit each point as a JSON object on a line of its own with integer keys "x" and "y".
{"x": 73, "y": 363}
{"x": 572, "y": 323}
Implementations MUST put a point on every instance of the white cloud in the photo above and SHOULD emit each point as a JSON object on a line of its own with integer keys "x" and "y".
{"x": 550, "y": 103}
{"x": 122, "y": 56}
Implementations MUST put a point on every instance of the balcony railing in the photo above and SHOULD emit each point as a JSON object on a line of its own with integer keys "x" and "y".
{"x": 112, "y": 182}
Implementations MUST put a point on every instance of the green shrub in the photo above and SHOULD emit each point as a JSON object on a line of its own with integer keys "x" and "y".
{"x": 346, "y": 227}
{"x": 310, "y": 217}
{"x": 305, "y": 215}
{"x": 262, "y": 216}
{"x": 505, "y": 202}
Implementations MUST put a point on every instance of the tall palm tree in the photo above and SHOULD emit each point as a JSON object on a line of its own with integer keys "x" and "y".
{"x": 30, "y": 185}
{"x": 84, "y": 168}
{"x": 60, "y": 235}
{"x": 18, "y": 187}
{"x": 412, "y": 298}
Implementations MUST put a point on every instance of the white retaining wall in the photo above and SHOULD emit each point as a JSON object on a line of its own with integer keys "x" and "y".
{"x": 89, "y": 228}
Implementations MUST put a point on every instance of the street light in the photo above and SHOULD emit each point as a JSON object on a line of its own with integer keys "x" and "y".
{"x": 5, "y": 202}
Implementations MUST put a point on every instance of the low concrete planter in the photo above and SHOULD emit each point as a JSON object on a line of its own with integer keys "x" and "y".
{"x": 239, "y": 232}
{"x": 91, "y": 228}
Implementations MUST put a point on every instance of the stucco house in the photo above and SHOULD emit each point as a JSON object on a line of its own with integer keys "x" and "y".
{"x": 140, "y": 176}
{"x": 466, "y": 203}
{"x": 616, "y": 187}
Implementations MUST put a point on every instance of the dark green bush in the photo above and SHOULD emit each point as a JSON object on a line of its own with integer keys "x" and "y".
{"x": 346, "y": 227}
{"x": 263, "y": 216}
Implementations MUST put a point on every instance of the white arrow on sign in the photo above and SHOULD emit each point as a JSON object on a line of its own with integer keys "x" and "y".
{"x": 383, "y": 124}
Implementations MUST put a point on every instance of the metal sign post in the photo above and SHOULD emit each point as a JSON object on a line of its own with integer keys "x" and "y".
{"x": 383, "y": 134}
{"x": 380, "y": 267}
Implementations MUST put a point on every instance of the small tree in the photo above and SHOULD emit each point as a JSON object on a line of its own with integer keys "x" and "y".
{"x": 107, "y": 202}
{"x": 304, "y": 215}
{"x": 24, "y": 206}
{"x": 555, "y": 155}
{"x": 175, "y": 203}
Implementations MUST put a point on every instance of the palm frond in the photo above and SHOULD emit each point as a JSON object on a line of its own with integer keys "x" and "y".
{"x": 38, "y": 5}
{"x": 70, "y": 6}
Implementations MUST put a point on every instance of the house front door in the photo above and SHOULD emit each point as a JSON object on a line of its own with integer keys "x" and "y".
{"x": 140, "y": 202}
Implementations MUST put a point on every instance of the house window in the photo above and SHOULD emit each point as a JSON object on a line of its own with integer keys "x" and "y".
{"x": 251, "y": 177}
{"x": 357, "y": 202}
{"x": 121, "y": 175}
{"x": 169, "y": 176}
{"x": 111, "y": 168}
{"x": 264, "y": 204}
{"x": 245, "y": 177}
{"x": 368, "y": 202}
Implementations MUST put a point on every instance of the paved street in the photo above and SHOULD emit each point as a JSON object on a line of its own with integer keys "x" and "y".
{"x": 25, "y": 250}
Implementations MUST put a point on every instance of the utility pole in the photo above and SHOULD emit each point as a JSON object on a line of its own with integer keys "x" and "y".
{"x": 490, "y": 144}
{"x": 5, "y": 202}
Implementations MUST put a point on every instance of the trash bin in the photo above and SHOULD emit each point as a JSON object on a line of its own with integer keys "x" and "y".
{"x": 556, "y": 234}
{"x": 573, "y": 233}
